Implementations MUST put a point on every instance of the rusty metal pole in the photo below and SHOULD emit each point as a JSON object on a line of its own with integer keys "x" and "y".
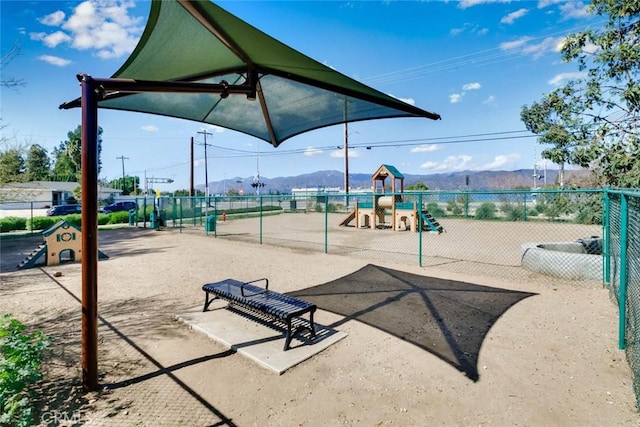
{"x": 89, "y": 184}
{"x": 191, "y": 187}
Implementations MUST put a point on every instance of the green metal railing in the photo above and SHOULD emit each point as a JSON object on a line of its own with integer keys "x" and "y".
{"x": 622, "y": 271}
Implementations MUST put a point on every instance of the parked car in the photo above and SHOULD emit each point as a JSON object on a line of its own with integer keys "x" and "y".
{"x": 60, "y": 210}
{"x": 119, "y": 207}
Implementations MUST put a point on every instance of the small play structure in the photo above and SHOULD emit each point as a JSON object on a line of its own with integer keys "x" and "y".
{"x": 405, "y": 215}
{"x": 62, "y": 243}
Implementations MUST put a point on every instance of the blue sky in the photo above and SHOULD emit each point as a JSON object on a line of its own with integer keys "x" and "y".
{"x": 474, "y": 62}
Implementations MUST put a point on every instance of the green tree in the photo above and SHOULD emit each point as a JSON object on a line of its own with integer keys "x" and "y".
{"x": 418, "y": 186}
{"x": 131, "y": 185}
{"x": 592, "y": 121}
{"x": 38, "y": 164}
{"x": 68, "y": 156}
{"x": 12, "y": 166}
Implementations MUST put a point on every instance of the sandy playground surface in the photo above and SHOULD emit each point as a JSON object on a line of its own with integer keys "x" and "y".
{"x": 550, "y": 360}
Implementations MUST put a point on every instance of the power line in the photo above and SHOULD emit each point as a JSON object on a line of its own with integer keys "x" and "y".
{"x": 456, "y": 139}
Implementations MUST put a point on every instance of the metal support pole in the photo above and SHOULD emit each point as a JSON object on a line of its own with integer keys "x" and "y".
{"x": 622, "y": 297}
{"x": 89, "y": 234}
{"x": 346, "y": 161}
{"x": 191, "y": 187}
{"x": 606, "y": 233}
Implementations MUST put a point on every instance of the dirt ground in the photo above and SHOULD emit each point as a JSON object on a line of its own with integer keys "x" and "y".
{"x": 550, "y": 360}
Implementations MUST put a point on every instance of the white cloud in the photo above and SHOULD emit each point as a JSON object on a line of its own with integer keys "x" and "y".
{"x": 559, "y": 79}
{"x": 53, "y": 19}
{"x": 150, "y": 128}
{"x": 409, "y": 101}
{"x": 464, "y": 162}
{"x": 545, "y": 3}
{"x": 339, "y": 154}
{"x": 536, "y": 50}
{"x": 574, "y": 9}
{"x": 590, "y": 48}
{"x": 469, "y": 28}
{"x": 451, "y": 163}
{"x": 549, "y": 44}
{"x": 54, "y": 60}
{"x": 490, "y": 100}
{"x": 511, "y": 18}
{"x": 310, "y": 151}
{"x": 515, "y": 44}
{"x": 54, "y": 39}
{"x": 426, "y": 148}
{"x": 471, "y": 86}
{"x": 502, "y": 161}
{"x": 101, "y": 26}
{"x": 470, "y": 3}
{"x": 457, "y": 97}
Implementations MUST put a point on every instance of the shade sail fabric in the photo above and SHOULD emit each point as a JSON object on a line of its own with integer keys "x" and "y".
{"x": 199, "y": 42}
{"x": 447, "y": 318}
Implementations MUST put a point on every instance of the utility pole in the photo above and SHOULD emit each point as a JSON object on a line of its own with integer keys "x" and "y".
{"x": 124, "y": 185}
{"x": 206, "y": 170}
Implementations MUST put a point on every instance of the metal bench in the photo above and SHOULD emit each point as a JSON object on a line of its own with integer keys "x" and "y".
{"x": 277, "y": 306}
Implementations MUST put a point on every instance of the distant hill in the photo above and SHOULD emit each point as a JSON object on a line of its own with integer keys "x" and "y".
{"x": 477, "y": 180}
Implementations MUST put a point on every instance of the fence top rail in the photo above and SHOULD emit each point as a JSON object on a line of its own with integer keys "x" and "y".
{"x": 633, "y": 192}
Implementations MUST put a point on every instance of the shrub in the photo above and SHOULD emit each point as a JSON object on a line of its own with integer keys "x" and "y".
{"x": 435, "y": 210}
{"x": 119, "y": 217}
{"x": 42, "y": 222}
{"x": 515, "y": 213}
{"x": 75, "y": 219}
{"x": 21, "y": 355}
{"x": 487, "y": 210}
{"x": 589, "y": 210}
{"x": 103, "y": 219}
{"x": 12, "y": 223}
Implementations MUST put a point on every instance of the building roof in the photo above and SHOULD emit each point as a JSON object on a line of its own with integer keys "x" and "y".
{"x": 53, "y": 186}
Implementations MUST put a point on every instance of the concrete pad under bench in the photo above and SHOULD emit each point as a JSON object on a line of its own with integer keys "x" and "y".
{"x": 256, "y": 338}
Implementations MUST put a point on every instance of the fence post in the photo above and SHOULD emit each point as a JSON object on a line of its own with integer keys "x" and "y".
{"x": 622, "y": 298}
{"x": 606, "y": 233}
{"x": 326, "y": 221}
{"x": 419, "y": 222}
{"x": 466, "y": 204}
{"x": 260, "y": 201}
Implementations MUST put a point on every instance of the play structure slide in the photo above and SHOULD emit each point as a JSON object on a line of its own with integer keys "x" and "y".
{"x": 350, "y": 217}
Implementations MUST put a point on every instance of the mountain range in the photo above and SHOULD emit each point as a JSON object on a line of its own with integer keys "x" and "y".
{"x": 333, "y": 180}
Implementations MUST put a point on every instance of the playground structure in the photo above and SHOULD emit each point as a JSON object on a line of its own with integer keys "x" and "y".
{"x": 62, "y": 242}
{"x": 405, "y": 215}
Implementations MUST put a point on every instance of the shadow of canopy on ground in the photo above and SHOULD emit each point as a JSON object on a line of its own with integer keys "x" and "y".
{"x": 447, "y": 318}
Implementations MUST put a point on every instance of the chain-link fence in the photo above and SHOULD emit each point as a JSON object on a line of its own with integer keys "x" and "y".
{"x": 554, "y": 235}
{"x": 622, "y": 271}
{"x": 570, "y": 238}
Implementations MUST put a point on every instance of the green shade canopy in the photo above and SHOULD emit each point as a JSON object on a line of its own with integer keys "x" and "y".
{"x": 195, "y": 58}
